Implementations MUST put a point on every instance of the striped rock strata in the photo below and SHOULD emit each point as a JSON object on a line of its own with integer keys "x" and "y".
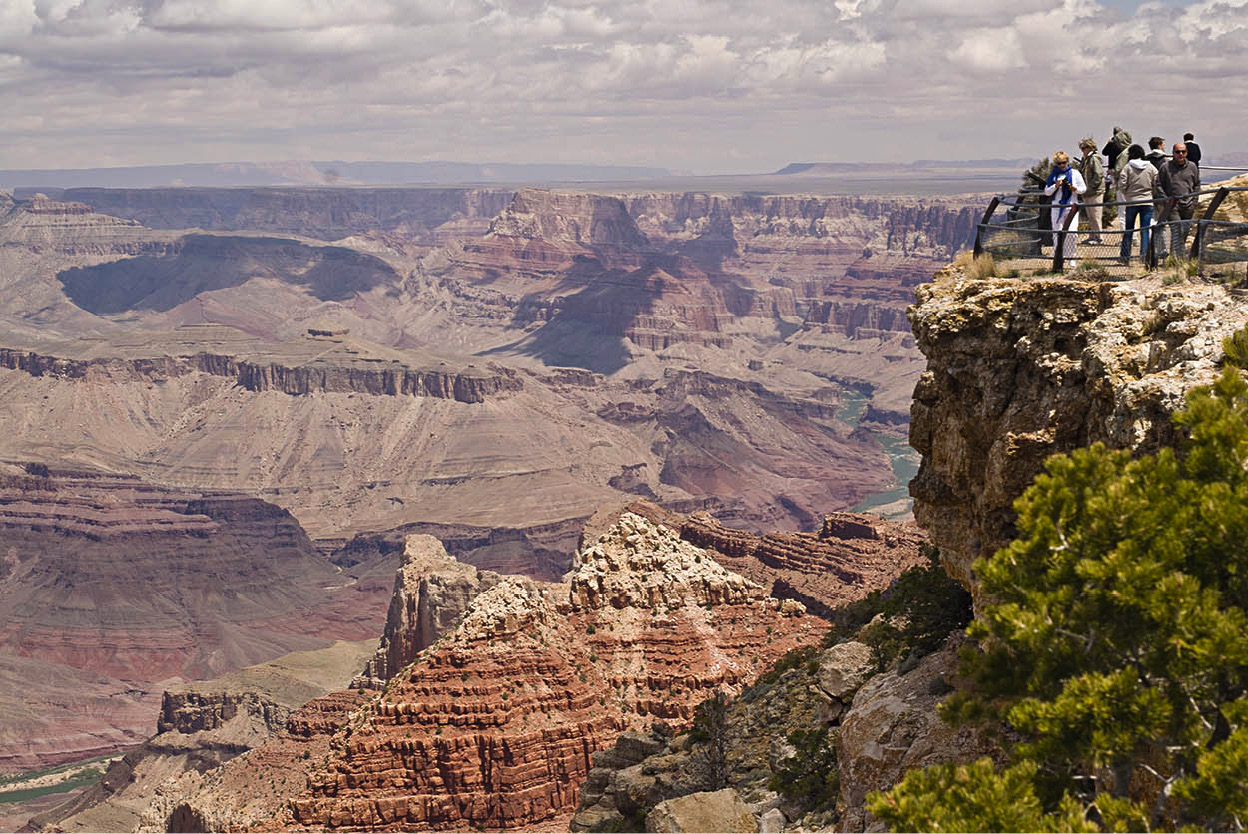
{"x": 494, "y": 724}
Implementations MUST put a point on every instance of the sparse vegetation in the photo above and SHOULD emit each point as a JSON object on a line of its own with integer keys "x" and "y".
{"x": 908, "y": 620}
{"x": 1091, "y": 271}
{"x": 811, "y": 776}
{"x": 977, "y": 268}
{"x": 710, "y": 733}
{"x": 1177, "y": 270}
{"x": 1235, "y": 348}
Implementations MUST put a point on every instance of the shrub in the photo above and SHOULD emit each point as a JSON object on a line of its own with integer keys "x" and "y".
{"x": 977, "y": 268}
{"x": 810, "y": 776}
{"x": 710, "y": 733}
{"x": 916, "y": 614}
{"x": 1235, "y": 346}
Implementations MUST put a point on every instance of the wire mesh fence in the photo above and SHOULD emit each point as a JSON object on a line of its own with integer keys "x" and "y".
{"x": 1036, "y": 237}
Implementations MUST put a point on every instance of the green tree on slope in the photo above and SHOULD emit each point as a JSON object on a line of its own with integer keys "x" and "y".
{"x": 1115, "y": 645}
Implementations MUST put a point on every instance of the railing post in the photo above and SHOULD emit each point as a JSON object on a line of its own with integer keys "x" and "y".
{"x": 983, "y": 224}
{"x": 1198, "y": 245}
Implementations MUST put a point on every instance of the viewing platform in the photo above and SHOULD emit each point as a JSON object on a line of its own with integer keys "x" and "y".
{"x": 1016, "y": 230}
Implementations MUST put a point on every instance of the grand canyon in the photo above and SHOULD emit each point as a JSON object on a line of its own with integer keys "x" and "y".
{"x": 233, "y": 415}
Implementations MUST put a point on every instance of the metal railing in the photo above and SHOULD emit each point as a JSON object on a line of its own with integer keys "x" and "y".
{"x": 1019, "y": 226}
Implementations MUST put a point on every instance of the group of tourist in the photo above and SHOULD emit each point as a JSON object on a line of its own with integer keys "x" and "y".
{"x": 1159, "y": 191}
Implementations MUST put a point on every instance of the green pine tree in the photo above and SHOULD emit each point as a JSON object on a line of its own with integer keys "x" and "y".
{"x": 1114, "y": 643}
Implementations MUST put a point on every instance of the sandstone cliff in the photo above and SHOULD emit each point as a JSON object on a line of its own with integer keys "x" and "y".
{"x": 1018, "y": 370}
{"x": 346, "y": 376}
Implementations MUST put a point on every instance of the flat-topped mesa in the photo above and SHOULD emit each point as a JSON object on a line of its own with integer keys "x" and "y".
{"x": 642, "y": 565}
{"x": 541, "y": 233}
{"x": 41, "y": 224}
{"x": 1020, "y": 370}
{"x": 588, "y": 220}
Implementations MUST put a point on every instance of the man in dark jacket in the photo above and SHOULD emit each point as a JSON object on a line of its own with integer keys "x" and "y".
{"x": 1193, "y": 150}
{"x": 1177, "y": 183}
{"x": 1156, "y": 152}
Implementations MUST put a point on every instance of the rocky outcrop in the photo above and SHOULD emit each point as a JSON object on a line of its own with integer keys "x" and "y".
{"x": 646, "y": 772}
{"x": 494, "y": 723}
{"x": 1019, "y": 370}
{"x": 849, "y": 557}
{"x": 720, "y": 810}
{"x": 643, "y": 566}
{"x": 432, "y": 592}
{"x": 193, "y": 712}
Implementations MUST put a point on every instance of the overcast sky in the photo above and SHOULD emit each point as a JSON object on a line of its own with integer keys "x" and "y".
{"x": 709, "y": 86}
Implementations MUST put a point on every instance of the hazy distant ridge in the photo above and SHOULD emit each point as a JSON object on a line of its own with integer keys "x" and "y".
{"x": 320, "y": 173}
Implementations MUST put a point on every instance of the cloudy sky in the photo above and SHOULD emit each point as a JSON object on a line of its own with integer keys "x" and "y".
{"x": 709, "y": 86}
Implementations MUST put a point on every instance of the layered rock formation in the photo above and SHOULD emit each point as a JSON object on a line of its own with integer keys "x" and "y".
{"x": 129, "y": 583}
{"x": 205, "y": 724}
{"x": 494, "y": 723}
{"x": 432, "y": 592}
{"x": 1019, "y": 370}
{"x": 321, "y": 374}
{"x": 850, "y": 556}
{"x": 41, "y": 225}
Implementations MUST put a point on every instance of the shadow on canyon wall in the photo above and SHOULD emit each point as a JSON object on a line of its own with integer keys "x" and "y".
{"x": 202, "y": 263}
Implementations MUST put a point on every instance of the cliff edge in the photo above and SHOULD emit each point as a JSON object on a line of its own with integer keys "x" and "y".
{"x": 1020, "y": 369}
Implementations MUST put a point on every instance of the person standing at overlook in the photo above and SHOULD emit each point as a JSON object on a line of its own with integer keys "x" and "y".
{"x": 1157, "y": 152}
{"x": 1116, "y": 151}
{"x": 1093, "y": 171}
{"x": 1138, "y": 180}
{"x": 1193, "y": 150}
{"x": 1177, "y": 183}
{"x": 1064, "y": 185}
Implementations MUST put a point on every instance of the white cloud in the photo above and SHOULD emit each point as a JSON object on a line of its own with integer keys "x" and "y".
{"x": 669, "y": 82}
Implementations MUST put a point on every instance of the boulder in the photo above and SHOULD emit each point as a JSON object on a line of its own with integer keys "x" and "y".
{"x": 721, "y": 810}
{"x": 844, "y": 667}
{"x": 892, "y": 727}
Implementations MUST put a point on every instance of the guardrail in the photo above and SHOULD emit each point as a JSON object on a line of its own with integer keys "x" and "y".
{"x": 1024, "y": 231}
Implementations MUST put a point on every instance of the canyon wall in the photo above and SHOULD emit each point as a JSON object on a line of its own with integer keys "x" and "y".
{"x": 324, "y": 213}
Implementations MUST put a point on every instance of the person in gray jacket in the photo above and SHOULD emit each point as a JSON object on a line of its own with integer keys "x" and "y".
{"x": 1177, "y": 183}
{"x": 1138, "y": 179}
{"x": 1116, "y": 150}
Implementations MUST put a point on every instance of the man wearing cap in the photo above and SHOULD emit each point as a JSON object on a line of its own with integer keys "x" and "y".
{"x": 1093, "y": 170}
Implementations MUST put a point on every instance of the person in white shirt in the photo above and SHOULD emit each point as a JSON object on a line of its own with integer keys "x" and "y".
{"x": 1064, "y": 185}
